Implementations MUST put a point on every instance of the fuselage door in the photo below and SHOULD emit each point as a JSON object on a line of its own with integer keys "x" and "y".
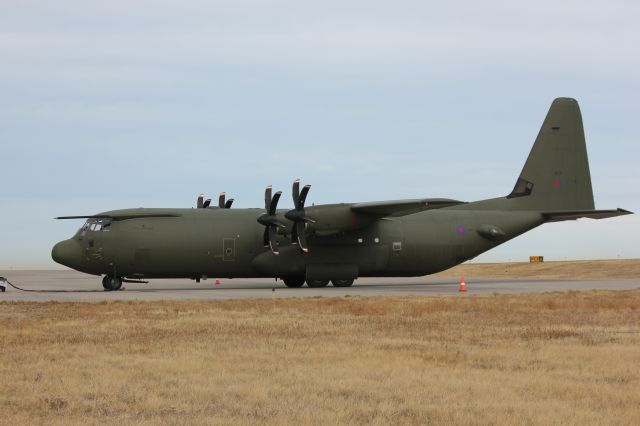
{"x": 394, "y": 237}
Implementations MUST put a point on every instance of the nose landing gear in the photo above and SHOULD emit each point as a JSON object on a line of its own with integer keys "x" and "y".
{"x": 111, "y": 283}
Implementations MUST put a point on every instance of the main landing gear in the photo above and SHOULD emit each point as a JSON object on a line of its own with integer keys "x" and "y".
{"x": 296, "y": 282}
{"x": 342, "y": 283}
{"x": 111, "y": 283}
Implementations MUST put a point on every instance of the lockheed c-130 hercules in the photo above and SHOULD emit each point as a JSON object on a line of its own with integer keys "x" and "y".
{"x": 338, "y": 243}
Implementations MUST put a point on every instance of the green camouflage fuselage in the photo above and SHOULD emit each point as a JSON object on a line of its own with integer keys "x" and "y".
{"x": 228, "y": 243}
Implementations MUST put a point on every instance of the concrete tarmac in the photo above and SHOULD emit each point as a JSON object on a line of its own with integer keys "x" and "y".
{"x": 61, "y": 285}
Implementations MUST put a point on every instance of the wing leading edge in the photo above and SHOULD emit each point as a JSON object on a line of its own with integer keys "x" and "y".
{"x": 403, "y": 207}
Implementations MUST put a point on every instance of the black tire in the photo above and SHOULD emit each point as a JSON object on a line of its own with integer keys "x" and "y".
{"x": 293, "y": 282}
{"x": 342, "y": 283}
{"x": 318, "y": 283}
{"x": 111, "y": 283}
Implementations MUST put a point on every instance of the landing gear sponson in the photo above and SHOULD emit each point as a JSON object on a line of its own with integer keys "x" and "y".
{"x": 296, "y": 282}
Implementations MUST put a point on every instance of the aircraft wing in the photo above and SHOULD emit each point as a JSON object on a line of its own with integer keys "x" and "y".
{"x": 402, "y": 207}
{"x": 559, "y": 216}
{"x": 117, "y": 217}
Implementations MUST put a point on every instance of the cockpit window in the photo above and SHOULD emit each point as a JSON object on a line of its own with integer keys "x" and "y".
{"x": 98, "y": 224}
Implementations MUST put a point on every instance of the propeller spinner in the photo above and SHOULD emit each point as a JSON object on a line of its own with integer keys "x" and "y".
{"x": 270, "y": 220}
{"x": 298, "y": 216}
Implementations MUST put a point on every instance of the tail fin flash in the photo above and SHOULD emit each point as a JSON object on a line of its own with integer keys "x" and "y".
{"x": 556, "y": 175}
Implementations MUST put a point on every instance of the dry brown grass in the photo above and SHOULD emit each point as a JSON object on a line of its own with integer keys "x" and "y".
{"x": 574, "y": 269}
{"x": 508, "y": 359}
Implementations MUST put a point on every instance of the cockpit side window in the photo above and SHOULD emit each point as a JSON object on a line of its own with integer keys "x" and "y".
{"x": 96, "y": 225}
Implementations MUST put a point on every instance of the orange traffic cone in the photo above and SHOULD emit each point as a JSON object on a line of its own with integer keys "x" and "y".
{"x": 218, "y": 282}
{"x": 463, "y": 286}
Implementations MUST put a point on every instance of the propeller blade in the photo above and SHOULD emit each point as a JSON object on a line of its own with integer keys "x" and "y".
{"x": 273, "y": 239}
{"x": 221, "y": 198}
{"x": 303, "y": 196}
{"x": 302, "y": 238}
{"x": 207, "y": 203}
{"x": 298, "y": 215}
{"x": 294, "y": 234}
{"x": 269, "y": 219}
{"x": 267, "y": 198}
{"x": 200, "y": 202}
{"x": 227, "y": 205}
{"x": 295, "y": 192}
{"x": 274, "y": 203}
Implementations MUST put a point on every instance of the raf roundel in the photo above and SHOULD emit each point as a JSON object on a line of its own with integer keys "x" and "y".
{"x": 459, "y": 229}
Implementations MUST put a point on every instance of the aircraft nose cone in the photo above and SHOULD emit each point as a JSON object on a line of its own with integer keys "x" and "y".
{"x": 67, "y": 253}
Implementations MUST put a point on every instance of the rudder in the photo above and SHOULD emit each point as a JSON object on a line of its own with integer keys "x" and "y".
{"x": 556, "y": 174}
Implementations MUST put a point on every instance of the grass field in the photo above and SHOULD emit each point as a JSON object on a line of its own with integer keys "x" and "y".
{"x": 572, "y": 269}
{"x": 506, "y": 359}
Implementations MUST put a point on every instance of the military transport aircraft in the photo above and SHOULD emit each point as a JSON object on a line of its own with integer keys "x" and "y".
{"x": 339, "y": 242}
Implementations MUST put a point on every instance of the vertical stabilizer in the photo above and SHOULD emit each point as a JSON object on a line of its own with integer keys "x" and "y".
{"x": 556, "y": 175}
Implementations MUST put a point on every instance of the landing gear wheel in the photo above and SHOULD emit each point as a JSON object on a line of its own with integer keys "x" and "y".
{"x": 342, "y": 283}
{"x": 111, "y": 283}
{"x": 293, "y": 282}
{"x": 317, "y": 283}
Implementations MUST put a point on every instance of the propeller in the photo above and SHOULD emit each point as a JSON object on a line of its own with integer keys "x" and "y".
{"x": 270, "y": 220}
{"x": 221, "y": 202}
{"x": 205, "y": 204}
{"x": 298, "y": 216}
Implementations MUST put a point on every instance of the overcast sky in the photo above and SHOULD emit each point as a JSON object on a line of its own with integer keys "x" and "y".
{"x": 117, "y": 104}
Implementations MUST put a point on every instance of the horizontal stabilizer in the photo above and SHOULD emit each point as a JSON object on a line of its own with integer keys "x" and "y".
{"x": 403, "y": 207}
{"x": 577, "y": 214}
